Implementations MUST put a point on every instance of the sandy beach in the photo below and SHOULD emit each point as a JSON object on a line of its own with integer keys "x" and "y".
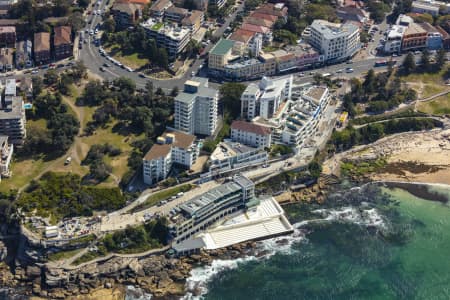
{"x": 411, "y": 157}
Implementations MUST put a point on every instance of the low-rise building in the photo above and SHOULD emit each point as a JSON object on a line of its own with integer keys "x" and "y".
{"x": 7, "y": 36}
{"x": 302, "y": 116}
{"x": 193, "y": 20}
{"x": 394, "y": 38}
{"x": 12, "y": 119}
{"x": 279, "y": 10}
{"x": 169, "y": 36}
{"x": 264, "y": 99}
{"x": 349, "y": 13}
{"x": 6, "y": 152}
{"x": 24, "y": 50}
{"x": 62, "y": 42}
{"x": 244, "y": 70}
{"x": 6, "y": 59}
{"x": 175, "y": 14}
{"x": 232, "y": 155}
{"x": 220, "y": 54}
{"x": 445, "y": 37}
{"x": 430, "y": 7}
{"x": 41, "y": 47}
{"x": 251, "y": 134}
{"x": 434, "y": 37}
{"x": 202, "y": 211}
{"x": 126, "y": 13}
{"x": 196, "y": 108}
{"x": 337, "y": 42}
{"x": 266, "y": 32}
{"x": 414, "y": 37}
{"x": 158, "y": 8}
{"x": 173, "y": 147}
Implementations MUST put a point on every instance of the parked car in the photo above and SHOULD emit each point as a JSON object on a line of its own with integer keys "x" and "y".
{"x": 349, "y": 70}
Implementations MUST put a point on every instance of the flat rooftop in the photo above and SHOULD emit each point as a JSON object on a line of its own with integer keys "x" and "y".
{"x": 264, "y": 220}
{"x": 229, "y": 149}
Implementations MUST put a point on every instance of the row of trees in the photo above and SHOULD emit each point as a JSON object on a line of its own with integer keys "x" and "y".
{"x": 153, "y": 234}
{"x": 64, "y": 196}
{"x": 427, "y": 64}
{"x": 350, "y": 136}
{"x": 99, "y": 170}
{"x": 61, "y": 127}
{"x": 379, "y": 92}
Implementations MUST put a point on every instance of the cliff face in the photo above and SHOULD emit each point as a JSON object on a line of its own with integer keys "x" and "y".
{"x": 159, "y": 275}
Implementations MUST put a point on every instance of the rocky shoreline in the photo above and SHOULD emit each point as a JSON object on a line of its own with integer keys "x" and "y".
{"x": 160, "y": 275}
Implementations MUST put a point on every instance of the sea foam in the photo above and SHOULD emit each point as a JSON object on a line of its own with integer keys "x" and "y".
{"x": 197, "y": 283}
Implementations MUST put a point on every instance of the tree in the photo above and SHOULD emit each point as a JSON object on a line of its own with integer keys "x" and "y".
{"x": 369, "y": 82}
{"x": 441, "y": 58}
{"x": 38, "y": 84}
{"x": 79, "y": 71}
{"x": 315, "y": 169}
{"x": 76, "y": 21}
{"x": 425, "y": 60}
{"x": 109, "y": 25}
{"x": 162, "y": 58}
{"x": 231, "y": 98}
{"x": 409, "y": 63}
{"x": 174, "y": 91}
{"x": 83, "y": 3}
{"x": 51, "y": 77}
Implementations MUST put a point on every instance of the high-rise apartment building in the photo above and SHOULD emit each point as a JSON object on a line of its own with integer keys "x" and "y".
{"x": 196, "y": 108}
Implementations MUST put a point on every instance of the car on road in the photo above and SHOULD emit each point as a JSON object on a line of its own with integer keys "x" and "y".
{"x": 417, "y": 52}
{"x": 96, "y": 30}
{"x": 349, "y": 62}
{"x": 106, "y": 65}
{"x": 35, "y": 71}
{"x": 129, "y": 69}
{"x": 141, "y": 75}
{"x": 44, "y": 67}
{"x": 312, "y": 73}
{"x": 60, "y": 66}
{"x": 339, "y": 71}
{"x": 102, "y": 69}
{"x": 192, "y": 73}
{"x": 301, "y": 74}
{"x": 349, "y": 70}
{"x": 91, "y": 32}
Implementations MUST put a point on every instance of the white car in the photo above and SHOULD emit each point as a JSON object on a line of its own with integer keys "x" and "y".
{"x": 301, "y": 74}
{"x": 91, "y": 32}
{"x": 96, "y": 30}
{"x": 339, "y": 71}
{"x": 349, "y": 70}
{"x": 35, "y": 71}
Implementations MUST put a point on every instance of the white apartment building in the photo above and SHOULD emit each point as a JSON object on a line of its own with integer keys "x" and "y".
{"x": 157, "y": 163}
{"x": 196, "y": 108}
{"x": 231, "y": 156}
{"x": 251, "y": 134}
{"x": 173, "y": 147}
{"x": 169, "y": 36}
{"x": 12, "y": 114}
{"x": 394, "y": 38}
{"x": 6, "y": 151}
{"x": 430, "y": 7}
{"x": 303, "y": 116}
{"x": 264, "y": 100}
{"x": 337, "y": 42}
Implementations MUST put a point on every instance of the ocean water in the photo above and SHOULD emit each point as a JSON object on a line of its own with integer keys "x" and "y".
{"x": 398, "y": 250}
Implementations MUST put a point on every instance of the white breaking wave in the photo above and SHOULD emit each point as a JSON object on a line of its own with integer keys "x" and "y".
{"x": 197, "y": 283}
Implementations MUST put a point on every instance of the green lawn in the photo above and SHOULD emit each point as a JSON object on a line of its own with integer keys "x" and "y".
{"x": 63, "y": 255}
{"x": 163, "y": 195}
{"x": 432, "y": 89}
{"x": 133, "y": 60}
{"x": 438, "y": 106}
{"x": 427, "y": 78}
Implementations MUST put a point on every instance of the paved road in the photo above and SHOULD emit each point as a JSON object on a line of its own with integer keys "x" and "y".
{"x": 92, "y": 58}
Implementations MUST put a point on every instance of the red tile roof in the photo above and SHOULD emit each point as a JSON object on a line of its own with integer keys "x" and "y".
{"x": 62, "y": 35}
{"x": 41, "y": 41}
{"x": 264, "y": 16}
{"x": 250, "y": 127}
{"x": 242, "y": 35}
{"x": 255, "y": 28}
